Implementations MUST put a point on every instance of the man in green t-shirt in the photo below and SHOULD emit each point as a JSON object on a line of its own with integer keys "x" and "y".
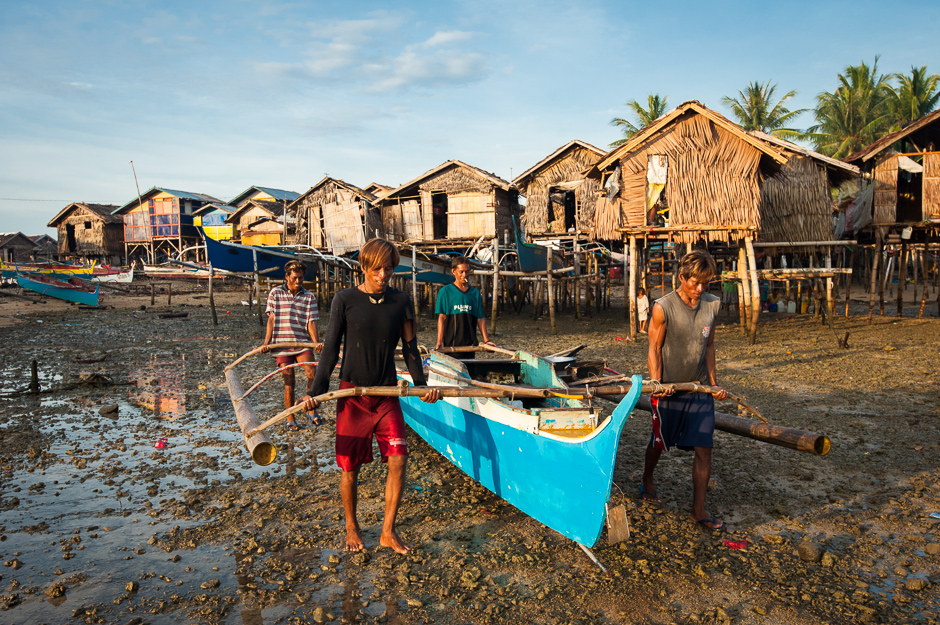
{"x": 460, "y": 309}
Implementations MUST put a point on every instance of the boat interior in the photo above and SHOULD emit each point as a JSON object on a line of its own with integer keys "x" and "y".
{"x": 565, "y": 416}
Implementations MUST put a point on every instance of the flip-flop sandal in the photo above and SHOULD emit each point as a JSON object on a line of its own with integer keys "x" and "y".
{"x": 654, "y": 493}
{"x": 712, "y": 520}
{"x": 315, "y": 419}
{"x": 292, "y": 427}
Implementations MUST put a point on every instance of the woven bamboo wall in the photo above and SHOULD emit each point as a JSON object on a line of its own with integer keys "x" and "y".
{"x": 886, "y": 190}
{"x": 712, "y": 178}
{"x": 99, "y": 240}
{"x": 931, "y": 192}
{"x": 564, "y": 169}
{"x": 342, "y": 223}
{"x": 795, "y": 203}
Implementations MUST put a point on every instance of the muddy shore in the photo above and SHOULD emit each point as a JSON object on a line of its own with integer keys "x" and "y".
{"x": 99, "y": 526}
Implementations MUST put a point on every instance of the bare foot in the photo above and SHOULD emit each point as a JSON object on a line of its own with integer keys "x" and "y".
{"x": 393, "y": 540}
{"x": 354, "y": 539}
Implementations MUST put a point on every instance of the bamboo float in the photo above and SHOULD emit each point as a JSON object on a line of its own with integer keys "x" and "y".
{"x": 791, "y": 438}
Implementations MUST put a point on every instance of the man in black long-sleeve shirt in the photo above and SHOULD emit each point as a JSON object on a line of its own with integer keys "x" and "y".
{"x": 368, "y": 321}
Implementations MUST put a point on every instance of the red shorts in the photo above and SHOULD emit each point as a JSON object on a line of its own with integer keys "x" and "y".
{"x": 289, "y": 360}
{"x": 357, "y": 419}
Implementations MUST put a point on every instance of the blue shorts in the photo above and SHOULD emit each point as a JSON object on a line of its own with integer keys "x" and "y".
{"x": 683, "y": 420}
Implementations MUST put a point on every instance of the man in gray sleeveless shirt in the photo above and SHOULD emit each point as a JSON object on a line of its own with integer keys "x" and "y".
{"x": 682, "y": 349}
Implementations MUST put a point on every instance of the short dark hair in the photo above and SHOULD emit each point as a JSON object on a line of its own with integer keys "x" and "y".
{"x": 698, "y": 264}
{"x": 458, "y": 261}
{"x": 295, "y": 265}
{"x": 378, "y": 253}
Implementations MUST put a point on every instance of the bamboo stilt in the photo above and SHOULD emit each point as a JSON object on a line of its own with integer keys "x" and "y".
{"x": 902, "y": 279}
{"x": 551, "y": 293}
{"x": 745, "y": 289}
{"x": 755, "y": 289}
{"x": 848, "y": 282}
{"x": 632, "y": 293}
{"x": 215, "y": 318}
{"x": 495, "y": 284}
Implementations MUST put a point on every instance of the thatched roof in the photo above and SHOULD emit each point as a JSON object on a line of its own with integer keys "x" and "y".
{"x": 492, "y": 179}
{"x": 839, "y": 171}
{"x": 522, "y": 179}
{"x": 102, "y": 212}
{"x": 650, "y": 132}
{"x": 16, "y": 239}
{"x": 361, "y": 193}
{"x": 921, "y": 132}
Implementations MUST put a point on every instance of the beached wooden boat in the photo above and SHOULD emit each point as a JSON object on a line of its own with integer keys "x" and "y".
{"x": 78, "y": 291}
{"x": 428, "y": 269}
{"x": 115, "y": 276}
{"x": 239, "y": 258}
{"x": 533, "y": 257}
{"x": 551, "y": 457}
{"x": 59, "y": 271}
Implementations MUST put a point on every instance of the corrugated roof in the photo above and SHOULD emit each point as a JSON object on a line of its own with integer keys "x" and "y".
{"x": 277, "y": 194}
{"x": 185, "y": 195}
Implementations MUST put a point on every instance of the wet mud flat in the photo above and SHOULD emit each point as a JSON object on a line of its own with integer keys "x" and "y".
{"x": 97, "y": 525}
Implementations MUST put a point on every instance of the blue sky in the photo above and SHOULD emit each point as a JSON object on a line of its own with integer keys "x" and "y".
{"x": 214, "y": 97}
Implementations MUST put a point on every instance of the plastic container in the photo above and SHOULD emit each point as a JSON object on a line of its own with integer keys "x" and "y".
{"x": 804, "y": 306}
{"x": 791, "y": 307}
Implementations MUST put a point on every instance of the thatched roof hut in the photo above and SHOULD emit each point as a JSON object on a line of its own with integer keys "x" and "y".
{"x": 336, "y": 216}
{"x": 46, "y": 246}
{"x": 906, "y": 168}
{"x": 454, "y": 202}
{"x": 89, "y": 232}
{"x": 16, "y": 247}
{"x": 558, "y": 196}
{"x": 699, "y": 175}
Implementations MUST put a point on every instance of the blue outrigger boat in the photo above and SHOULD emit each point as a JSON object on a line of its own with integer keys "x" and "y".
{"x": 553, "y": 458}
{"x": 78, "y": 291}
{"x": 238, "y": 258}
{"x": 532, "y": 257}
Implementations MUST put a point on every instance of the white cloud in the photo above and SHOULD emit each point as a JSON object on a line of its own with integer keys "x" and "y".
{"x": 379, "y": 53}
{"x": 446, "y": 37}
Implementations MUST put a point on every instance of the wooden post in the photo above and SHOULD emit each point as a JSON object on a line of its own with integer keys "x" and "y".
{"x": 536, "y": 297}
{"x": 632, "y": 290}
{"x": 551, "y": 292}
{"x": 848, "y": 282}
{"x": 830, "y": 303}
{"x": 169, "y": 293}
{"x": 153, "y": 293}
{"x": 745, "y": 288}
{"x": 881, "y": 283}
{"x": 755, "y": 288}
{"x": 215, "y": 319}
{"x": 874, "y": 275}
{"x": 902, "y": 278}
{"x": 577, "y": 280}
{"x": 623, "y": 275}
{"x": 34, "y": 377}
{"x": 495, "y": 283}
{"x": 414, "y": 279}
{"x": 923, "y": 273}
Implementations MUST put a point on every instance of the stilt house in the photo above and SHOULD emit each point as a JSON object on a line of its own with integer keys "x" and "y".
{"x": 906, "y": 168}
{"x": 264, "y": 194}
{"x": 558, "y": 196}
{"x": 693, "y": 174}
{"x": 159, "y": 223}
{"x": 335, "y": 216}
{"x": 89, "y": 232}
{"x": 452, "y": 202}
{"x": 15, "y": 247}
{"x": 211, "y": 218}
{"x": 259, "y": 222}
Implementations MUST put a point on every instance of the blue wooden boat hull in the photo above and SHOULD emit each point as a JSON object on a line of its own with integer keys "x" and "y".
{"x": 239, "y": 258}
{"x": 561, "y": 482}
{"x": 76, "y": 295}
{"x": 532, "y": 257}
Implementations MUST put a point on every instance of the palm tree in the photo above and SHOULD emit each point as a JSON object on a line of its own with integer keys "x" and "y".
{"x": 755, "y": 110}
{"x": 857, "y": 113}
{"x": 656, "y": 107}
{"x": 916, "y": 95}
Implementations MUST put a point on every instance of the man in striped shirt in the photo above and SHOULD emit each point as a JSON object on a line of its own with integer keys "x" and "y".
{"x": 292, "y": 316}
